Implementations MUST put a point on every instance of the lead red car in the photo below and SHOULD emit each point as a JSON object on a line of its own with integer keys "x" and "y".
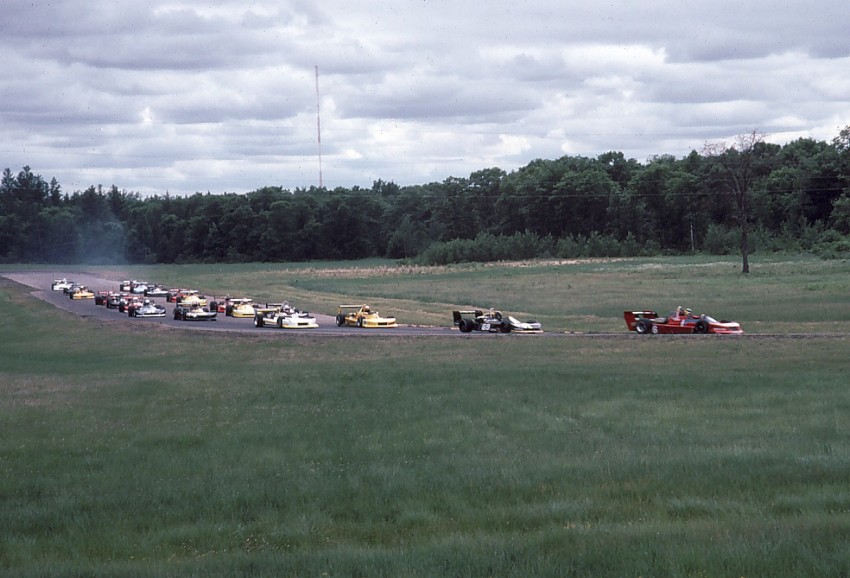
{"x": 680, "y": 321}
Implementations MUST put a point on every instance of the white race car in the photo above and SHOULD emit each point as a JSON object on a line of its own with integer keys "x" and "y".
{"x": 156, "y": 291}
{"x": 284, "y": 317}
{"x": 147, "y": 309}
{"x": 61, "y": 284}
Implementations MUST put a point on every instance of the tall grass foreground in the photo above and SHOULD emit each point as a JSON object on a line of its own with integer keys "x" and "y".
{"x": 130, "y": 452}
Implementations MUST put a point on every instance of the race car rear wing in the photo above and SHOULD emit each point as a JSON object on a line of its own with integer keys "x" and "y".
{"x": 458, "y": 315}
{"x": 631, "y": 317}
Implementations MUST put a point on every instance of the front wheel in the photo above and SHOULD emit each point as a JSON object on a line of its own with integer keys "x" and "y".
{"x": 701, "y": 327}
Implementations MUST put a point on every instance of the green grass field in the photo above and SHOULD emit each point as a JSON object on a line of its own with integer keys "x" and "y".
{"x": 128, "y": 450}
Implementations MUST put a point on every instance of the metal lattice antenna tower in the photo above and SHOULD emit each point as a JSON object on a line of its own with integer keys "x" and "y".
{"x": 319, "y": 127}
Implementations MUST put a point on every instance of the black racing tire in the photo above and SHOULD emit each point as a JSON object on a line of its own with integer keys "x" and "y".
{"x": 176, "y": 314}
{"x": 259, "y": 321}
{"x": 360, "y": 322}
{"x": 701, "y": 327}
{"x": 280, "y": 322}
{"x": 228, "y": 311}
{"x": 643, "y": 326}
{"x": 465, "y": 325}
{"x": 504, "y": 328}
{"x": 340, "y": 320}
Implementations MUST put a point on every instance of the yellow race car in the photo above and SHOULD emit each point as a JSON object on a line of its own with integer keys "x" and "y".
{"x": 81, "y": 292}
{"x": 191, "y": 298}
{"x": 241, "y": 308}
{"x": 362, "y": 316}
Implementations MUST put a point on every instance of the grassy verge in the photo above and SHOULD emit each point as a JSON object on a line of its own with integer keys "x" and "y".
{"x": 158, "y": 453}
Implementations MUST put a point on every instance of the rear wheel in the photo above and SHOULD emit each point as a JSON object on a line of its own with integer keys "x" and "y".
{"x": 258, "y": 321}
{"x": 701, "y": 327}
{"x": 280, "y": 322}
{"x": 465, "y": 325}
{"x": 643, "y": 326}
{"x": 340, "y": 320}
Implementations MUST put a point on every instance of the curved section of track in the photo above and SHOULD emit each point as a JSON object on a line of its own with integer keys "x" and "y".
{"x": 40, "y": 281}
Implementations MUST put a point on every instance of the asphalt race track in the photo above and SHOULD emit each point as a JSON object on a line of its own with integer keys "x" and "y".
{"x": 40, "y": 281}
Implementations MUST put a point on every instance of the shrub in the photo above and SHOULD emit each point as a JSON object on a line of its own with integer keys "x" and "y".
{"x": 832, "y": 245}
{"x": 720, "y": 240}
{"x": 487, "y": 247}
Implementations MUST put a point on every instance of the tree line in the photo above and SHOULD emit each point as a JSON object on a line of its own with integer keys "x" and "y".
{"x": 797, "y": 198}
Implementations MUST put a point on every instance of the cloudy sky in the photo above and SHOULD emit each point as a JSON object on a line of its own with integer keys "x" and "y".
{"x": 156, "y": 95}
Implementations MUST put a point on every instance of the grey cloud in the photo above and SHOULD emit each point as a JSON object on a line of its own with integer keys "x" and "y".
{"x": 221, "y": 96}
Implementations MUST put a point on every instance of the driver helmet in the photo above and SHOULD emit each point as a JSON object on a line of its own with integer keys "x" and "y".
{"x": 688, "y": 312}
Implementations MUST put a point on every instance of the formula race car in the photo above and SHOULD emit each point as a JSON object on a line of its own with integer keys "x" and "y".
{"x": 193, "y": 313}
{"x": 128, "y": 301}
{"x": 101, "y": 297}
{"x": 492, "y": 321}
{"x": 61, "y": 284}
{"x": 146, "y": 309}
{"x": 191, "y": 297}
{"x": 239, "y": 308}
{"x": 156, "y": 291}
{"x": 115, "y": 299}
{"x": 362, "y": 316}
{"x": 283, "y": 317}
{"x": 172, "y": 295}
{"x": 81, "y": 292}
{"x": 679, "y": 321}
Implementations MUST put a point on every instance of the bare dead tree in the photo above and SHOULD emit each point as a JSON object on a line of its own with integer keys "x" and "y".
{"x": 738, "y": 170}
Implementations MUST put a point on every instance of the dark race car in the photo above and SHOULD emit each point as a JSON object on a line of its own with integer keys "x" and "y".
{"x": 679, "y": 321}
{"x": 492, "y": 321}
{"x": 193, "y": 312}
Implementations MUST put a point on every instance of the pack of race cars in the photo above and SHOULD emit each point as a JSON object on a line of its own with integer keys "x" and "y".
{"x": 136, "y": 299}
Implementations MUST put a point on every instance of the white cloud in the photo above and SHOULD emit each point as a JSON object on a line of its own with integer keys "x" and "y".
{"x": 220, "y": 96}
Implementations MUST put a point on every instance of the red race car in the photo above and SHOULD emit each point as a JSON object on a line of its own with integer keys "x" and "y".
{"x": 679, "y": 321}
